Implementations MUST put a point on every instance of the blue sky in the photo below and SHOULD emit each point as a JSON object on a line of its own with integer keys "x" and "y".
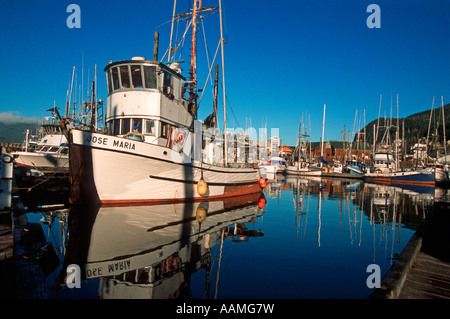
{"x": 283, "y": 59}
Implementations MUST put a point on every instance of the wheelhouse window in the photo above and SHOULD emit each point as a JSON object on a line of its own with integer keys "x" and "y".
{"x": 109, "y": 81}
{"x": 150, "y": 77}
{"x": 167, "y": 83}
{"x": 125, "y": 126}
{"x": 136, "y": 76}
{"x": 125, "y": 77}
{"x": 165, "y": 130}
{"x": 137, "y": 125}
{"x": 150, "y": 127}
{"x": 116, "y": 127}
{"x": 115, "y": 78}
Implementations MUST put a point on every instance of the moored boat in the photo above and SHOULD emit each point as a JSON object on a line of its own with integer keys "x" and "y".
{"x": 154, "y": 150}
{"x": 420, "y": 178}
{"x": 50, "y": 154}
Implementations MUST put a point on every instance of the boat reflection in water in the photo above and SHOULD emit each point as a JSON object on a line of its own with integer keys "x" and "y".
{"x": 152, "y": 251}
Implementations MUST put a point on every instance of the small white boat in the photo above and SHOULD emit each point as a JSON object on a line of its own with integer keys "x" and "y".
{"x": 306, "y": 170}
{"x": 50, "y": 153}
{"x": 276, "y": 165}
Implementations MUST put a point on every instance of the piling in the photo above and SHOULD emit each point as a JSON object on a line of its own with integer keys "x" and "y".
{"x": 6, "y": 173}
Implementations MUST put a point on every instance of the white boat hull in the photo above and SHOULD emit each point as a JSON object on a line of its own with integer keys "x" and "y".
{"x": 41, "y": 160}
{"x": 112, "y": 170}
{"x": 293, "y": 170}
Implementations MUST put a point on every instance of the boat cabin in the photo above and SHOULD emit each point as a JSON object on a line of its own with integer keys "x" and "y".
{"x": 145, "y": 100}
{"x": 384, "y": 162}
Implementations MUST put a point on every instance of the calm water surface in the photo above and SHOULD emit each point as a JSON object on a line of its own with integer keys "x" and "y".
{"x": 313, "y": 238}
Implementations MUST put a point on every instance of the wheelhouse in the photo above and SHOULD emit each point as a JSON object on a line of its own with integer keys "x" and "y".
{"x": 145, "y": 100}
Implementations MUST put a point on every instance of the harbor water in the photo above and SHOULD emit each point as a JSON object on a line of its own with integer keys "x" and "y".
{"x": 306, "y": 238}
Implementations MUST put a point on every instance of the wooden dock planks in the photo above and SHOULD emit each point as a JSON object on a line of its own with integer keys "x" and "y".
{"x": 428, "y": 279}
{"x": 424, "y": 274}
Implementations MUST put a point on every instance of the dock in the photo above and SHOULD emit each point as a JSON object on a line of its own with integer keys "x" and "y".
{"x": 422, "y": 270}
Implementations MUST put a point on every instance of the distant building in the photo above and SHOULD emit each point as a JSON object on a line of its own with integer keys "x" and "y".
{"x": 340, "y": 151}
{"x": 285, "y": 151}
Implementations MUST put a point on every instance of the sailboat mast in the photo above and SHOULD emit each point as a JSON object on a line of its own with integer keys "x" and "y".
{"x": 323, "y": 134}
{"x": 429, "y": 126}
{"x": 299, "y": 143}
{"x": 443, "y": 122}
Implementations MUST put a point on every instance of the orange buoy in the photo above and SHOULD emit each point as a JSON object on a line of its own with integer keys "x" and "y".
{"x": 262, "y": 202}
{"x": 262, "y": 182}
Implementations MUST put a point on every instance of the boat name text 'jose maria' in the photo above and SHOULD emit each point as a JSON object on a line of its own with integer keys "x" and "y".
{"x": 104, "y": 141}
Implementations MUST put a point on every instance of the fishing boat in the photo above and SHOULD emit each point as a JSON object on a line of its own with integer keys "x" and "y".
{"x": 154, "y": 149}
{"x": 420, "y": 178}
{"x": 49, "y": 155}
{"x": 385, "y": 172}
{"x": 354, "y": 167}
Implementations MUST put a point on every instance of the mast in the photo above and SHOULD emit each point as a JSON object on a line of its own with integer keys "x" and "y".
{"x": 323, "y": 133}
{"x": 216, "y": 87}
{"x": 397, "y": 137}
{"x": 171, "y": 29}
{"x": 70, "y": 95}
{"x": 378, "y": 125}
{"x": 309, "y": 117}
{"x": 299, "y": 142}
{"x": 193, "y": 70}
{"x": 364, "y": 156}
{"x": 223, "y": 84}
{"x": 443, "y": 122}
{"x": 429, "y": 127}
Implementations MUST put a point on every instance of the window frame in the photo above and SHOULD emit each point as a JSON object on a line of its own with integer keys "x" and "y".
{"x": 127, "y": 67}
{"x": 145, "y": 132}
{"x": 136, "y": 66}
{"x": 155, "y": 72}
{"x": 119, "y": 84}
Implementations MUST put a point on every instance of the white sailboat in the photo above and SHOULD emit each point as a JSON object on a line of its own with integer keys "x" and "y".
{"x": 154, "y": 150}
{"x": 304, "y": 168}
